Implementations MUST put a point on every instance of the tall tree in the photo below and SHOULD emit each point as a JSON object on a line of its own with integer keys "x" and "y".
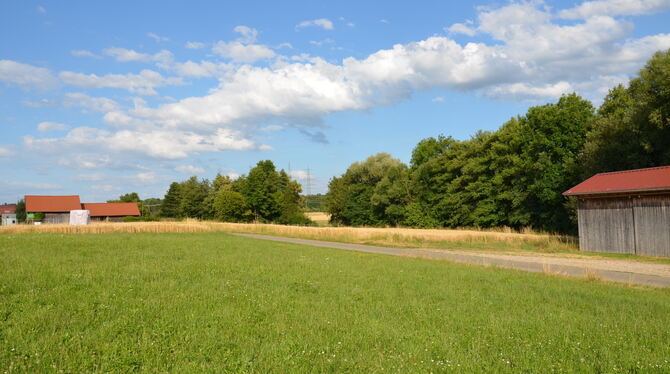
{"x": 170, "y": 206}
{"x": 260, "y": 188}
{"x": 633, "y": 126}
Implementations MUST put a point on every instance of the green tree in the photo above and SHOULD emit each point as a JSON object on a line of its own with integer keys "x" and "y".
{"x": 193, "y": 196}
{"x": 170, "y": 207}
{"x": 231, "y": 206}
{"x": 260, "y": 188}
{"x": 633, "y": 125}
{"x": 291, "y": 205}
{"x": 21, "y": 211}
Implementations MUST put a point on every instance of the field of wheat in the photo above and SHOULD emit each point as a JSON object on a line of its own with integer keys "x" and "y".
{"x": 501, "y": 239}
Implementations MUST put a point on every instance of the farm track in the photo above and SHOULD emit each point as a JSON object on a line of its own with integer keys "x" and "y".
{"x": 612, "y": 270}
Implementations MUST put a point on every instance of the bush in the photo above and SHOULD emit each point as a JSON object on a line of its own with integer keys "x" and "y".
{"x": 140, "y": 219}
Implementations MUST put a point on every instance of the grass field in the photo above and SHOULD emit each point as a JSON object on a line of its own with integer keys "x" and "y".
{"x": 211, "y": 302}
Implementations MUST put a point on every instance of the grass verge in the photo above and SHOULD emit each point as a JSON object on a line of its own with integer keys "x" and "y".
{"x": 211, "y": 302}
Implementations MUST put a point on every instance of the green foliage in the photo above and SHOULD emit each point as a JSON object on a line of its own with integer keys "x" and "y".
{"x": 21, "y": 211}
{"x": 147, "y": 218}
{"x": 170, "y": 206}
{"x": 370, "y": 193}
{"x": 633, "y": 126}
{"x": 194, "y": 193}
{"x": 315, "y": 203}
{"x": 265, "y": 195}
{"x": 215, "y": 303}
{"x": 231, "y": 206}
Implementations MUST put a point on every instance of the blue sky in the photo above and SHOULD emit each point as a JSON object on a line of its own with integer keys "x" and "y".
{"x": 99, "y": 99}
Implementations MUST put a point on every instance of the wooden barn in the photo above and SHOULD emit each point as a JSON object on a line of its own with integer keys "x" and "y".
{"x": 625, "y": 212}
{"x": 111, "y": 212}
{"x": 56, "y": 209}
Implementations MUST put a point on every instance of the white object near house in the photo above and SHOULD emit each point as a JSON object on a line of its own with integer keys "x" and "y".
{"x": 9, "y": 219}
{"x": 79, "y": 217}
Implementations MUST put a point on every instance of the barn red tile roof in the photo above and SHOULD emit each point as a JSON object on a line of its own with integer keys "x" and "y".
{"x": 639, "y": 180}
{"x": 112, "y": 209}
{"x": 7, "y": 208}
{"x": 51, "y": 204}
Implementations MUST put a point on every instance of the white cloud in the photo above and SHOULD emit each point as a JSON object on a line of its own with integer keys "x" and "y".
{"x": 26, "y": 76}
{"x": 5, "y": 151}
{"x": 299, "y": 174}
{"x": 143, "y": 83}
{"x": 438, "y": 99}
{"x": 40, "y": 9}
{"x": 195, "y": 45}
{"x": 531, "y": 57}
{"x": 237, "y": 51}
{"x": 167, "y": 144}
{"x": 324, "y": 23}
{"x": 272, "y": 128}
{"x": 126, "y": 55}
{"x": 249, "y": 34}
{"x": 51, "y": 126}
{"x": 83, "y": 53}
{"x": 614, "y": 8}
{"x": 461, "y": 28}
{"x": 201, "y": 69}
{"x": 320, "y": 43}
{"x": 189, "y": 169}
{"x": 148, "y": 177}
{"x": 95, "y": 104}
{"x": 383, "y": 20}
{"x": 157, "y": 38}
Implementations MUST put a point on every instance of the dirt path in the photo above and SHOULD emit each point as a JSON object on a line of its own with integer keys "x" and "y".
{"x": 614, "y": 270}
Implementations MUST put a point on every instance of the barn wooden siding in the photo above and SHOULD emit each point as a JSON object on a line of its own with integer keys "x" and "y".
{"x": 629, "y": 224}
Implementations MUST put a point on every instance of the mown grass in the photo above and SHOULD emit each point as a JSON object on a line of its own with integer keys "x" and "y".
{"x": 211, "y": 302}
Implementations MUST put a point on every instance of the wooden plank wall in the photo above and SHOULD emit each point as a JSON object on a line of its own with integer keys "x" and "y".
{"x": 606, "y": 225}
{"x": 652, "y": 225}
{"x": 629, "y": 224}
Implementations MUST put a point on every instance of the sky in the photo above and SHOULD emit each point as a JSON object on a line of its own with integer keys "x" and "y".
{"x": 99, "y": 99}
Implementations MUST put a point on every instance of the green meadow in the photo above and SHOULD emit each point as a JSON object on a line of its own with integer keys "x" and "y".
{"x": 216, "y": 303}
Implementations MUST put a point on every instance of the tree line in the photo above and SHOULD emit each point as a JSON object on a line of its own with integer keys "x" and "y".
{"x": 513, "y": 176}
{"x": 263, "y": 195}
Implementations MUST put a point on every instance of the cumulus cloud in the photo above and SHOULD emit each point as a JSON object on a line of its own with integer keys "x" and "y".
{"x": 240, "y": 52}
{"x": 323, "y": 23}
{"x": 195, "y": 45}
{"x": 189, "y": 169}
{"x": 588, "y": 56}
{"x": 614, "y": 8}
{"x": 83, "y": 53}
{"x": 51, "y": 126}
{"x": 26, "y": 76}
{"x": 299, "y": 174}
{"x": 163, "y": 58}
{"x": 438, "y": 99}
{"x": 157, "y": 38}
{"x": 94, "y": 104}
{"x": 164, "y": 143}
{"x": 143, "y": 83}
{"x": 461, "y": 28}
{"x": 5, "y": 151}
{"x": 243, "y": 49}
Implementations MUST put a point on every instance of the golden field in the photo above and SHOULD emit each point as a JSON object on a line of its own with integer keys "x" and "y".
{"x": 501, "y": 239}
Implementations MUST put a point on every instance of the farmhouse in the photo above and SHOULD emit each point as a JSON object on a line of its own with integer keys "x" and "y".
{"x": 113, "y": 212}
{"x": 8, "y": 214}
{"x": 56, "y": 209}
{"x": 625, "y": 212}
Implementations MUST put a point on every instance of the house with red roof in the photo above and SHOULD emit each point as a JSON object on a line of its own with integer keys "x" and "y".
{"x": 625, "y": 212}
{"x": 56, "y": 209}
{"x": 113, "y": 212}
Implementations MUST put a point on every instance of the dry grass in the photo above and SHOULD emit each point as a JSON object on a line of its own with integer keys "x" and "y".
{"x": 404, "y": 237}
{"x": 110, "y": 227}
{"x": 318, "y": 217}
{"x": 503, "y": 239}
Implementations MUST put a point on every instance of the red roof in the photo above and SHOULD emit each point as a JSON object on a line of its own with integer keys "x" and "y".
{"x": 112, "y": 209}
{"x": 7, "y": 208}
{"x": 639, "y": 180}
{"x": 50, "y": 204}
